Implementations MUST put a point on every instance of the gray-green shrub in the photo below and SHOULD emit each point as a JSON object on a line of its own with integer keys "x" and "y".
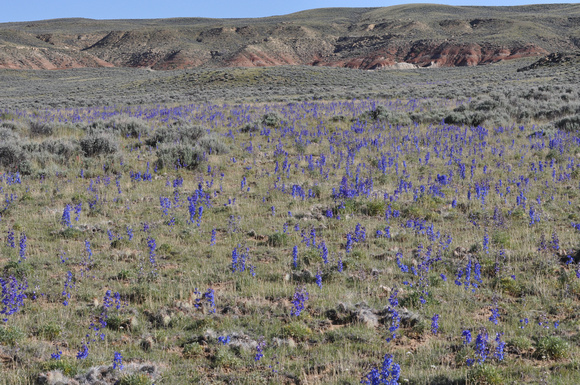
{"x": 185, "y": 134}
{"x": 41, "y": 128}
{"x": 212, "y": 144}
{"x": 179, "y": 155}
{"x": 98, "y": 144}
{"x": 119, "y": 125}
{"x": 569, "y": 123}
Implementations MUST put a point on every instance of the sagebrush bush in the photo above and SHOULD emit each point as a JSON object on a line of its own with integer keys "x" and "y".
{"x": 380, "y": 113}
{"x": 212, "y": 144}
{"x": 41, "y": 128}
{"x": 179, "y": 155}
{"x": 13, "y": 157}
{"x": 7, "y": 134}
{"x": 467, "y": 118}
{"x": 62, "y": 147}
{"x": 249, "y": 127}
{"x": 119, "y": 125}
{"x": 16, "y": 126}
{"x": 184, "y": 134}
{"x": 128, "y": 126}
{"x": 271, "y": 119}
{"x": 99, "y": 144}
{"x": 569, "y": 123}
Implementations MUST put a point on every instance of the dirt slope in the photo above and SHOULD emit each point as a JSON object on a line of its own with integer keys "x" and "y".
{"x": 367, "y": 38}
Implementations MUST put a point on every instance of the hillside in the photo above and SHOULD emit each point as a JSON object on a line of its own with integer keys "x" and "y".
{"x": 366, "y": 38}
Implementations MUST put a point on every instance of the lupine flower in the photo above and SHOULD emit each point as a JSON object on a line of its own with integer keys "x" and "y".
{"x": 435, "y": 324}
{"x": 12, "y": 297}
{"x": 22, "y": 245}
{"x": 88, "y": 248}
{"x": 260, "y": 350}
{"x": 78, "y": 209}
{"x": 65, "y": 220}
{"x": 348, "y": 246}
{"x": 295, "y": 256}
{"x": 62, "y": 257}
{"x": 118, "y": 361}
{"x": 224, "y": 340}
{"x": 486, "y": 242}
{"x": 466, "y": 334}
{"x": 68, "y": 285}
{"x": 319, "y": 279}
{"x": 388, "y": 375}
{"x": 129, "y": 233}
{"x": 152, "y": 246}
{"x": 235, "y": 259}
{"x": 481, "y": 348}
{"x": 209, "y": 297}
{"x": 299, "y": 301}
{"x": 323, "y": 252}
{"x": 10, "y": 239}
{"x": 500, "y": 345}
{"x": 83, "y": 353}
{"x": 494, "y": 313}
{"x": 56, "y": 355}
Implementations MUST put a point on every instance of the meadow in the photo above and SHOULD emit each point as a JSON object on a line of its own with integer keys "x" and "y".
{"x": 396, "y": 227}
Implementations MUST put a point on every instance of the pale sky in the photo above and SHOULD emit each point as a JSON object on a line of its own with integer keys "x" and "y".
{"x": 30, "y": 10}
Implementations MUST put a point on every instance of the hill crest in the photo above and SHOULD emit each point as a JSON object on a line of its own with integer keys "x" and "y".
{"x": 423, "y": 35}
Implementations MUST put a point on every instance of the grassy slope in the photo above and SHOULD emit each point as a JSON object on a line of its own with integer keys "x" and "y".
{"x": 259, "y": 307}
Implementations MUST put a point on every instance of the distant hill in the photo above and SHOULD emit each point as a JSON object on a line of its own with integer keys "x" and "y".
{"x": 367, "y": 38}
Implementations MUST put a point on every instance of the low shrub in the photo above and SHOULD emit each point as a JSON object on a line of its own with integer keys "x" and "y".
{"x": 212, "y": 145}
{"x": 568, "y": 124}
{"x": 12, "y": 156}
{"x": 179, "y": 155}
{"x": 225, "y": 358}
{"x": 41, "y": 128}
{"x": 467, "y": 118}
{"x": 277, "y": 240}
{"x": 552, "y": 348}
{"x": 296, "y": 330}
{"x": 98, "y": 144}
{"x": 177, "y": 134}
{"x": 10, "y": 335}
{"x": 486, "y": 375}
{"x": 8, "y": 134}
{"x": 380, "y": 113}
{"x": 271, "y": 119}
{"x": 119, "y": 125}
{"x": 63, "y": 148}
{"x": 192, "y": 350}
{"x": 135, "y": 379}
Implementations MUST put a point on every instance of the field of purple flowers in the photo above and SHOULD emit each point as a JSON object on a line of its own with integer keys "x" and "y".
{"x": 302, "y": 242}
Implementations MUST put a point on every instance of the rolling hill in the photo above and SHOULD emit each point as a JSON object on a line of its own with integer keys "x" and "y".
{"x": 367, "y": 38}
